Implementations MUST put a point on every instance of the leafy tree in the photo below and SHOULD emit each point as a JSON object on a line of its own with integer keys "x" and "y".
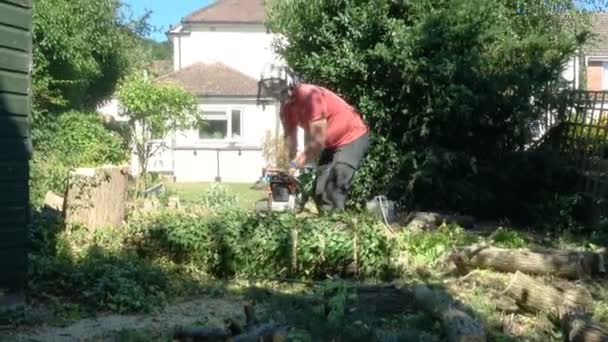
{"x": 448, "y": 87}
{"x": 81, "y": 49}
{"x": 158, "y": 50}
{"x": 154, "y": 110}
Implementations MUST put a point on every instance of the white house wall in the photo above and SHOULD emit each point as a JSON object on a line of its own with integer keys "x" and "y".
{"x": 191, "y": 159}
{"x": 244, "y": 47}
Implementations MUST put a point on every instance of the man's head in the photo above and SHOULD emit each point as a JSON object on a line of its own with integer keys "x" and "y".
{"x": 278, "y": 81}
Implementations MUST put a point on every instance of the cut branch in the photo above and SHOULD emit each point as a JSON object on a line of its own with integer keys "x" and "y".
{"x": 534, "y": 296}
{"x": 566, "y": 264}
{"x": 459, "y": 326}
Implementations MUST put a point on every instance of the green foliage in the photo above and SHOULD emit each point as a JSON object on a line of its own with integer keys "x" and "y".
{"x": 339, "y": 293}
{"x": 91, "y": 268}
{"x": 509, "y": 239}
{"x": 446, "y": 86}
{"x": 81, "y": 49}
{"x": 75, "y": 139}
{"x": 158, "y": 50}
{"x": 236, "y": 243}
{"x": 427, "y": 248}
{"x": 155, "y": 109}
{"x": 218, "y": 197}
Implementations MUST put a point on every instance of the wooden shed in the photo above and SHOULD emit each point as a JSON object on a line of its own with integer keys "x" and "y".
{"x": 15, "y": 142}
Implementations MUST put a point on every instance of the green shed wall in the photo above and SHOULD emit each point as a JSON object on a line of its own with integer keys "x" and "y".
{"x": 15, "y": 142}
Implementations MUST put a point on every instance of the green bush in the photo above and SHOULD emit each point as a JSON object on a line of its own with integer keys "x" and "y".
{"x": 74, "y": 139}
{"x": 91, "y": 268}
{"x": 238, "y": 243}
{"x": 217, "y": 197}
{"x": 445, "y": 85}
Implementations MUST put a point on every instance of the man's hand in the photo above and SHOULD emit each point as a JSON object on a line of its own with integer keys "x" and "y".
{"x": 300, "y": 160}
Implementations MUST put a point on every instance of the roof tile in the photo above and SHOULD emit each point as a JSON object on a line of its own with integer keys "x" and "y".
{"x": 600, "y": 27}
{"x": 230, "y": 11}
{"x": 213, "y": 79}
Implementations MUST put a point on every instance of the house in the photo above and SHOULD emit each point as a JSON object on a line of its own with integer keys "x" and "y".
{"x": 219, "y": 53}
{"x": 596, "y": 57}
{"x": 589, "y": 70}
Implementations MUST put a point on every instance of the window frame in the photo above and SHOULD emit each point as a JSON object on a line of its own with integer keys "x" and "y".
{"x": 222, "y": 114}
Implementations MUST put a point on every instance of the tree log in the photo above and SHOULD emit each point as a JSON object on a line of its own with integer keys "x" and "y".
{"x": 534, "y": 296}
{"x": 565, "y": 264}
{"x": 201, "y": 335}
{"x": 578, "y": 327}
{"x": 268, "y": 332}
{"x": 459, "y": 326}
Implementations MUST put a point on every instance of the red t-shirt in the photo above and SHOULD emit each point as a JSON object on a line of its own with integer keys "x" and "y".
{"x": 311, "y": 103}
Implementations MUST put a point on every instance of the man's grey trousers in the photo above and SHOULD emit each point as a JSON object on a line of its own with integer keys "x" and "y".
{"x": 335, "y": 172}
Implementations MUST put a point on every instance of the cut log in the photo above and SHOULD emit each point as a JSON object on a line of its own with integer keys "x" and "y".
{"x": 53, "y": 202}
{"x": 578, "y": 327}
{"x": 532, "y": 295}
{"x": 96, "y": 197}
{"x": 268, "y": 332}
{"x": 458, "y": 325}
{"x": 201, "y": 335}
{"x": 565, "y": 264}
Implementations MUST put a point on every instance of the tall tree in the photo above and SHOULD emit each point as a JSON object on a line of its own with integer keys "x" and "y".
{"x": 81, "y": 49}
{"x": 447, "y": 86}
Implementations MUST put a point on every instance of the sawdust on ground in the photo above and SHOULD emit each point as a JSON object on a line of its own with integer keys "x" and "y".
{"x": 209, "y": 312}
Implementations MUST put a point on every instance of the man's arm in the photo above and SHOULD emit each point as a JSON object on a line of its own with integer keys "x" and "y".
{"x": 316, "y": 144}
{"x": 291, "y": 139}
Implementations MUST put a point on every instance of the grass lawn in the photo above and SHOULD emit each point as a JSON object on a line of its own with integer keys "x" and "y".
{"x": 190, "y": 192}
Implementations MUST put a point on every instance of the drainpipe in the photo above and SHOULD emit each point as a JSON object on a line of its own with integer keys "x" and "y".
{"x": 179, "y": 50}
{"x": 218, "y": 178}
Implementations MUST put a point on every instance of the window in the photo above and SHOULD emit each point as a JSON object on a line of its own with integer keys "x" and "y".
{"x": 219, "y": 125}
{"x": 236, "y": 123}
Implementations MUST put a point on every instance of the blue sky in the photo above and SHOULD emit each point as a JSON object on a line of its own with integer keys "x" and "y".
{"x": 165, "y": 12}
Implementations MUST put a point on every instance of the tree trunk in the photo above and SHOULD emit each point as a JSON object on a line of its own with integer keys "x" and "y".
{"x": 578, "y": 327}
{"x": 565, "y": 264}
{"x": 96, "y": 197}
{"x": 459, "y": 326}
{"x": 534, "y": 296}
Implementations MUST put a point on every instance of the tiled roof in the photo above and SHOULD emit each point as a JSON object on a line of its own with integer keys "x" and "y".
{"x": 600, "y": 27}
{"x": 230, "y": 11}
{"x": 213, "y": 79}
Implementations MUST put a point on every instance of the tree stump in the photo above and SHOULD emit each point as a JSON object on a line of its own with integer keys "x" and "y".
{"x": 565, "y": 264}
{"x": 96, "y": 197}
{"x": 458, "y": 325}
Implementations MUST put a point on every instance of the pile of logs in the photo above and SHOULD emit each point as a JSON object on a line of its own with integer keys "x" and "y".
{"x": 570, "y": 308}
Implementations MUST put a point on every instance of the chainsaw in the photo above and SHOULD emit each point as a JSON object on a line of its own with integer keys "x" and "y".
{"x": 286, "y": 191}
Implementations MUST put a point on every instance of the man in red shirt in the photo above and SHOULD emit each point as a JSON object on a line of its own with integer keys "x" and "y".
{"x": 338, "y": 136}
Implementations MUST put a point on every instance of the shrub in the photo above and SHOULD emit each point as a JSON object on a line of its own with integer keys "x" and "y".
{"x": 74, "y": 139}
{"x": 91, "y": 268}
{"x": 437, "y": 81}
{"x": 238, "y": 243}
{"x": 217, "y": 197}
